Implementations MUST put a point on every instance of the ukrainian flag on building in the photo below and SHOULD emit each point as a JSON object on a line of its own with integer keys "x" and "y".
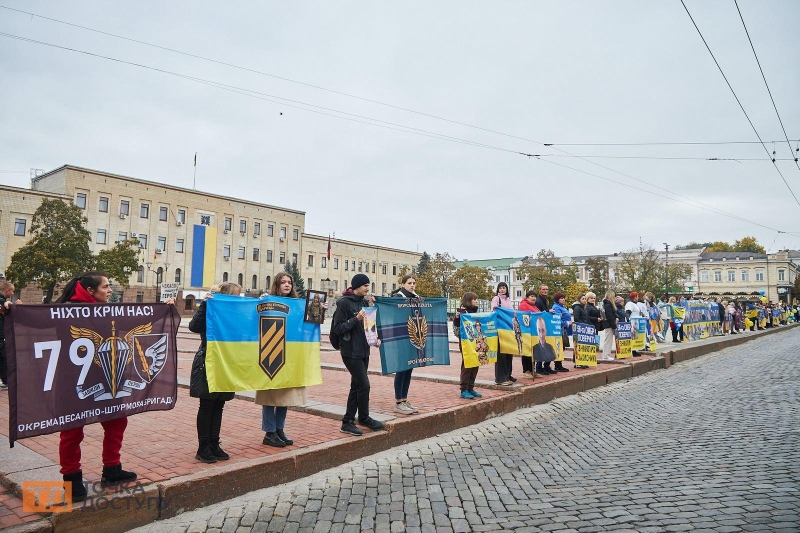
{"x": 204, "y": 255}
{"x": 260, "y": 344}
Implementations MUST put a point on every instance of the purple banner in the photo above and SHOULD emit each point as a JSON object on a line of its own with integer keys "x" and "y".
{"x": 70, "y": 365}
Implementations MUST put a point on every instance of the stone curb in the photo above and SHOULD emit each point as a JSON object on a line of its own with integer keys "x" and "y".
{"x": 169, "y": 498}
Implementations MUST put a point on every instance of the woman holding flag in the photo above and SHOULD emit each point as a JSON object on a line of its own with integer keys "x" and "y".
{"x": 402, "y": 380}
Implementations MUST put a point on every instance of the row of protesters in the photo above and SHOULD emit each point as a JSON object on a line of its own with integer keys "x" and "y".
{"x": 469, "y": 304}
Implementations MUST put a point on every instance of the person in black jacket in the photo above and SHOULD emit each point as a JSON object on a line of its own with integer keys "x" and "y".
{"x": 348, "y": 325}
{"x": 544, "y": 306}
{"x": 6, "y": 292}
{"x": 580, "y": 316}
{"x": 209, "y": 414}
{"x": 609, "y": 323}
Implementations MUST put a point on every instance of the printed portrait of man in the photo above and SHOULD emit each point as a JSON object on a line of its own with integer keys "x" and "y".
{"x": 542, "y": 351}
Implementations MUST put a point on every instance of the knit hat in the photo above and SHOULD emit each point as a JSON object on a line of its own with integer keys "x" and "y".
{"x": 359, "y": 280}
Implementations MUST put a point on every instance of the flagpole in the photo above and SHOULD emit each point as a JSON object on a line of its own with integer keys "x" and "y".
{"x": 194, "y": 178}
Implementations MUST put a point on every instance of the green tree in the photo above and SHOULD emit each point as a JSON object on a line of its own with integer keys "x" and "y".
{"x": 719, "y": 246}
{"x": 299, "y": 284}
{"x": 597, "y": 268}
{"x": 548, "y": 270}
{"x": 642, "y": 270}
{"x": 58, "y": 250}
{"x": 424, "y": 261}
{"x": 573, "y": 290}
{"x": 693, "y": 245}
{"x": 120, "y": 261}
{"x": 434, "y": 281}
{"x": 470, "y": 279}
{"x": 748, "y": 244}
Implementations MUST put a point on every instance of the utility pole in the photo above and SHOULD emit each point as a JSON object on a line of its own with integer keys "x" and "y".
{"x": 666, "y": 269}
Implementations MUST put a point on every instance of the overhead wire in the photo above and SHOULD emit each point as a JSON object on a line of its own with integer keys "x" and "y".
{"x": 389, "y": 125}
{"x": 739, "y": 101}
{"x": 764, "y": 77}
{"x": 660, "y": 143}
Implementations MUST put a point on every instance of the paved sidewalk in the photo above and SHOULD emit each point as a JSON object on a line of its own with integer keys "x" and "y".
{"x": 160, "y": 446}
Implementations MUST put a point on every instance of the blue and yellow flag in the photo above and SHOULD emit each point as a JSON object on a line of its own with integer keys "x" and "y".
{"x": 478, "y": 339}
{"x": 260, "y": 344}
{"x": 413, "y": 332}
{"x": 514, "y": 331}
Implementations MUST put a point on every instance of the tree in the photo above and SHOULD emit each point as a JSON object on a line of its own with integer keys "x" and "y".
{"x": 299, "y": 284}
{"x": 797, "y": 287}
{"x": 693, "y": 245}
{"x": 58, "y": 251}
{"x": 642, "y": 270}
{"x": 434, "y": 281}
{"x": 597, "y": 268}
{"x": 120, "y": 261}
{"x": 470, "y": 279}
{"x": 719, "y": 246}
{"x": 424, "y": 261}
{"x": 573, "y": 291}
{"x": 547, "y": 270}
{"x": 748, "y": 244}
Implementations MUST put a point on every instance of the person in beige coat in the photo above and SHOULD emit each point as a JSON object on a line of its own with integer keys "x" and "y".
{"x": 275, "y": 402}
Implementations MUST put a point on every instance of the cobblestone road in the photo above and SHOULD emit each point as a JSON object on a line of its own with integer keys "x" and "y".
{"x": 709, "y": 445}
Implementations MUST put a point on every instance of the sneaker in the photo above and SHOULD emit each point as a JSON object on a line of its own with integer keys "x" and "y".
{"x": 3, "y": 386}
{"x": 403, "y": 409}
{"x": 465, "y": 394}
{"x": 413, "y": 409}
{"x": 512, "y": 378}
{"x": 371, "y": 423}
{"x": 537, "y": 375}
{"x": 351, "y": 429}
{"x": 561, "y": 369}
{"x": 506, "y": 383}
{"x": 476, "y": 394}
{"x": 528, "y": 374}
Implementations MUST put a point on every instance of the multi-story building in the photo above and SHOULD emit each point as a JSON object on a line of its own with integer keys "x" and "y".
{"x": 501, "y": 269}
{"x": 190, "y": 237}
{"x": 732, "y": 274}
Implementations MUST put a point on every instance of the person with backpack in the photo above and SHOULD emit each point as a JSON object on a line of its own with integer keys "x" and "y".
{"x": 348, "y": 336}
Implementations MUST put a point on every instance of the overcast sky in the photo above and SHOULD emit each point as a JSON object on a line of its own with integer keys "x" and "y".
{"x": 552, "y": 72}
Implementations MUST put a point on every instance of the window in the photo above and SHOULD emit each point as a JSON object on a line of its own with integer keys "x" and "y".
{"x": 373, "y": 267}
{"x": 256, "y": 253}
{"x": 353, "y": 265}
{"x": 162, "y": 243}
{"x": 295, "y": 234}
{"x": 139, "y": 297}
{"x": 781, "y": 275}
{"x": 241, "y": 252}
{"x": 189, "y": 305}
{"x": 383, "y": 269}
{"x": 179, "y": 246}
{"x": 140, "y": 275}
{"x": 310, "y": 261}
{"x": 346, "y": 265}
{"x": 177, "y": 275}
{"x": 124, "y": 207}
{"x": 335, "y": 264}
{"x": 616, "y": 277}
{"x": 182, "y": 216}
{"x": 242, "y": 226}
{"x": 254, "y": 283}
{"x": 160, "y": 275}
{"x": 283, "y": 233}
{"x": 323, "y": 262}
{"x": 241, "y": 279}
{"x": 383, "y": 288}
{"x": 704, "y": 276}
{"x": 267, "y": 282}
{"x": 19, "y": 226}
{"x": 759, "y": 274}
{"x": 256, "y": 228}
{"x": 270, "y": 230}
{"x": 144, "y": 211}
{"x": 745, "y": 275}
{"x": 394, "y": 270}
{"x": 373, "y": 287}
{"x": 226, "y": 251}
{"x": 359, "y": 266}
{"x": 162, "y": 213}
{"x": 143, "y": 241}
{"x": 103, "y": 205}
{"x": 294, "y": 258}
{"x": 224, "y": 277}
{"x": 718, "y": 275}
{"x": 269, "y": 256}
{"x": 731, "y": 276}
{"x": 519, "y": 293}
{"x": 80, "y": 201}
{"x": 309, "y": 281}
{"x": 228, "y": 223}
{"x": 101, "y": 236}
{"x": 282, "y": 258}
{"x": 122, "y": 236}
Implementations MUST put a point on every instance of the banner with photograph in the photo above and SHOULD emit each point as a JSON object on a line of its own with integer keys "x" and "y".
{"x": 260, "y": 344}
{"x": 547, "y": 325}
{"x": 638, "y": 333}
{"x": 513, "y": 331}
{"x": 624, "y": 335}
{"x": 70, "y": 365}
{"x": 413, "y": 332}
{"x": 586, "y": 344}
{"x": 701, "y": 320}
{"x": 478, "y": 337}
{"x": 371, "y": 325}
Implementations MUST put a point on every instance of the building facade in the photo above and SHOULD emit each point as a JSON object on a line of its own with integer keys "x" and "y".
{"x": 746, "y": 273}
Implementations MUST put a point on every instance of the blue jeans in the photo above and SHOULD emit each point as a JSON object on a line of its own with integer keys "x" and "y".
{"x": 402, "y": 380}
{"x": 273, "y": 418}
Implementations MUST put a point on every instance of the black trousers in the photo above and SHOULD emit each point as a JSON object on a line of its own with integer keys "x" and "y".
{"x": 209, "y": 419}
{"x": 3, "y": 371}
{"x": 527, "y": 363}
{"x": 502, "y": 368}
{"x": 358, "y": 399}
{"x": 677, "y": 332}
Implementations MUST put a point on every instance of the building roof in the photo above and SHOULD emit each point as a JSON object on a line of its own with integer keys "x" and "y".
{"x": 20, "y": 190}
{"x": 497, "y": 264}
{"x": 732, "y": 256}
{"x": 165, "y": 185}
{"x": 354, "y": 243}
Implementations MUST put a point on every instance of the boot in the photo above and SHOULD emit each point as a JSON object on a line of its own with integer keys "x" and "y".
{"x": 204, "y": 453}
{"x": 78, "y": 488}
{"x": 217, "y": 451}
{"x": 271, "y": 439}
{"x": 115, "y": 474}
{"x": 283, "y": 437}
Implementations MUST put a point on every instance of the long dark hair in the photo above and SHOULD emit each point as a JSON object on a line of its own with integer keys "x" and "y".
{"x": 275, "y": 289}
{"x": 88, "y": 280}
{"x": 467, "y": 299}
{"x": 503, "y": 284}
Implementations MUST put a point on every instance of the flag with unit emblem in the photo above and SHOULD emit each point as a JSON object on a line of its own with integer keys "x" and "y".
{"x": 260, "y": 344}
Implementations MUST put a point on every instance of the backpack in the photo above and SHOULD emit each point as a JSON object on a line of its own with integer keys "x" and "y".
{"x": 334, "y": 339}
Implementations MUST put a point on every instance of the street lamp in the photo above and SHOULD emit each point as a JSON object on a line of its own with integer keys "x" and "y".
{"x": 155, "y": 271}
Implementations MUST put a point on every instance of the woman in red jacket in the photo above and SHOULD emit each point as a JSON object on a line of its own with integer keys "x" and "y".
{"x": 529, "y": 304}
